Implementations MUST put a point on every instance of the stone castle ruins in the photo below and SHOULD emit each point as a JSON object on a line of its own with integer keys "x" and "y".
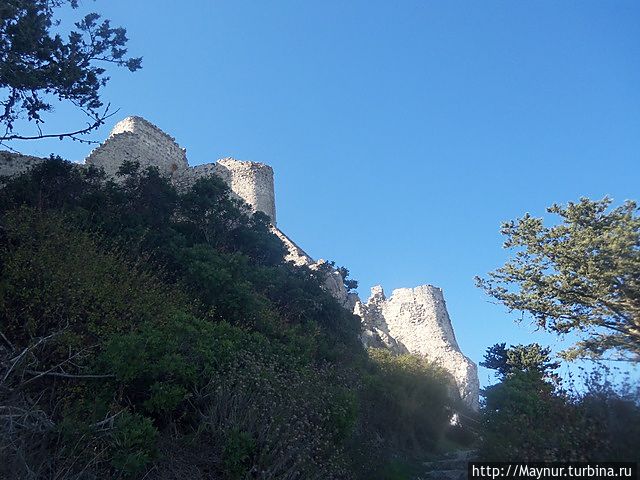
{"x": 409, "y": 321}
